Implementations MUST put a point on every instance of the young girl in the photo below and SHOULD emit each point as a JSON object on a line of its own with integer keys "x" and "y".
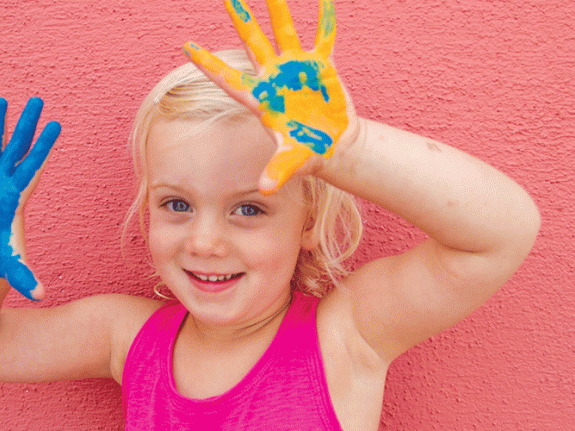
{"x": 250, "y": 214}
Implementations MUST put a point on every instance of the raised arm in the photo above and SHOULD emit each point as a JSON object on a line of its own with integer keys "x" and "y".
{"x": 481, "y": 224}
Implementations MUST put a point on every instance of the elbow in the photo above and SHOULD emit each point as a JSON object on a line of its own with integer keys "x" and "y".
{"x": 511, "y": 255}
{"x": 529, "y": 225}
{"x": 495, "y": 265}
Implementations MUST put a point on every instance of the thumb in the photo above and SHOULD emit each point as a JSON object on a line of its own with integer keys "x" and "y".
{"x": 13, "y": 266}
{"x": 21, "y": 278}
{"x": 283, "y": 164}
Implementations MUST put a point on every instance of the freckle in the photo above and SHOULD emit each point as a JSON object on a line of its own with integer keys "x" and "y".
{"x": 433, "y": 147}
{"x": 451, "y": 203}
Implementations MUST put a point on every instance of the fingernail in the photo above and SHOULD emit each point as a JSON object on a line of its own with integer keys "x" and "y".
{"x": 267, "y": 185}
{"x": 189, "y": 47}
{"x": 36, "y": 294}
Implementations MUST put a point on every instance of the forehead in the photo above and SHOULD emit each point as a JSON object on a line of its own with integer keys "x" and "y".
{"x": 226, "y": 154}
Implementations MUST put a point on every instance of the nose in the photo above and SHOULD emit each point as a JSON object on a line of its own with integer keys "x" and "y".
{"x": 207, "y": 237}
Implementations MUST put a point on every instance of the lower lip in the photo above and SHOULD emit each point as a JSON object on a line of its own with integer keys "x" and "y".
{"x": 213, "y": 286}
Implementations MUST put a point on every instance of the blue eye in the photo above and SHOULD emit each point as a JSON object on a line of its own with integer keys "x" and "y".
{"x": 178, "y": 206}
{"x": 248, "y": 210}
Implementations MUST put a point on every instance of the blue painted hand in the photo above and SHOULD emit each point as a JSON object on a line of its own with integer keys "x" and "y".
{"x": 19, "y": 168}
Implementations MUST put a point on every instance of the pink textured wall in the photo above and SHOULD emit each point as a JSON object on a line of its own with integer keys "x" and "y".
{"x": 493, "y": 77}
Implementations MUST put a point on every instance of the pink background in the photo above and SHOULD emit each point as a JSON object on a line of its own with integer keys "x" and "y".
{"x": 494, "y": 78}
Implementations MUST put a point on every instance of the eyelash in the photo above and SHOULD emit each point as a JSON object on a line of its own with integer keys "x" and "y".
{"x": 171, "y": 205}
{"x": 255, "y": 209}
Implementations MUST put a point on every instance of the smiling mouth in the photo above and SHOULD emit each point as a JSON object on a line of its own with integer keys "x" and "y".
{"x": 214, "y": 278}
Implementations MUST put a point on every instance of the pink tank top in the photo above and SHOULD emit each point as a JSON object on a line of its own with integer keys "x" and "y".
{"x": 285, "y": 390}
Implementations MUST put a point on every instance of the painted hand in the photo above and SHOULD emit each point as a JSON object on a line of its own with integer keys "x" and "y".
{"x": 297, "y": 94}
{"x": 18, "y": 174}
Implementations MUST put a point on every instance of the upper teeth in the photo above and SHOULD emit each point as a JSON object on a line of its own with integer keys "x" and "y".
{"x": 214, "y": 277}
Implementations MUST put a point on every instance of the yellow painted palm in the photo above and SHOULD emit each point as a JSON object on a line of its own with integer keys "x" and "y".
{"x": 296, "y": 93}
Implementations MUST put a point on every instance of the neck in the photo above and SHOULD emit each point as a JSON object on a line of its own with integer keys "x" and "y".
{"x": 230, "y": 334}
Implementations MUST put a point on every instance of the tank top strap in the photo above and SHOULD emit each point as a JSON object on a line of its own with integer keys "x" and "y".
{"x": 299, "y": 323}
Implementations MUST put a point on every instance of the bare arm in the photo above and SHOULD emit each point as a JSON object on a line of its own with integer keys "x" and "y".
{"x": 455, "y": 198}
{"x": 58, "y": 343}
{"x": 481, "y": 226}
{"x": 87, "y": 338}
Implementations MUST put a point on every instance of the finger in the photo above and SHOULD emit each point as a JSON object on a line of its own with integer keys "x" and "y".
{"x": 22, "y": 279}
{"x": 3, "y": 108}
{"x": 237, "y": 84}
{"x": 284, "y": 163}
{"x": 282, "y": 24}
{"x": 249, "y": 31}
{"x": 216, "y": 69}
{"x": 37, "y": 156}
{"x": 325, "y": 37}
{"x": 22, "y": 136}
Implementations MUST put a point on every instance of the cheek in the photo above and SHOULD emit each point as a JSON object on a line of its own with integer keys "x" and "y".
{"x": 156, "y": 248}
{"x": 160, "y": 243}
{"x": 275, "y": 253}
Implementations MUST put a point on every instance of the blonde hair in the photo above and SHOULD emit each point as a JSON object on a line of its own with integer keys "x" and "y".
{"x": 187, "y": 93}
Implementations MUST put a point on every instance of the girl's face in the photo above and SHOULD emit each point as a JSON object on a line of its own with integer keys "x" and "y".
{"x": 224, "y": 250}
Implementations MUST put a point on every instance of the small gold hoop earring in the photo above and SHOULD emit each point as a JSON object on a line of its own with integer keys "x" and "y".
{"x": 161, "y": 295}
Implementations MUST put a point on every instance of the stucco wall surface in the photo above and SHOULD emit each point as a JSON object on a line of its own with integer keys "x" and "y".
{"x": 494, "y": 78}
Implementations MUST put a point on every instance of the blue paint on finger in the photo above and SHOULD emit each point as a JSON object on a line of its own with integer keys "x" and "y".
{"x": 317, "y": 140}
{"x": 37, "y": 156}
{"x": 22, "y": 137}
{"x": 194, "y": 46}
{"x": 243, "y": 14}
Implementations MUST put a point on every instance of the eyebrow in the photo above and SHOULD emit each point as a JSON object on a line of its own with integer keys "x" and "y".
{"x": 163, "y": 184}
{"x": 238, "y": 193}
{"x": 246, "y": 191}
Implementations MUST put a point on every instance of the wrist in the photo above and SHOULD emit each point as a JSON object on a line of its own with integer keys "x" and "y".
{"x": 340, "y": 167}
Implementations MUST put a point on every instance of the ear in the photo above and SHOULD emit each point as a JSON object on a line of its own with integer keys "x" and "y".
{"x": 310, "y": 234}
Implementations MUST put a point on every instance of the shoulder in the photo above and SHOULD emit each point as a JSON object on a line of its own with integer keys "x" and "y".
{"x": 126, "y": 314}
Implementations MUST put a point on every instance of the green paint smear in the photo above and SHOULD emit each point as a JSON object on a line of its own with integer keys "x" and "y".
{"x": 327, "y": 24}
{"x": 249, "y": 80}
